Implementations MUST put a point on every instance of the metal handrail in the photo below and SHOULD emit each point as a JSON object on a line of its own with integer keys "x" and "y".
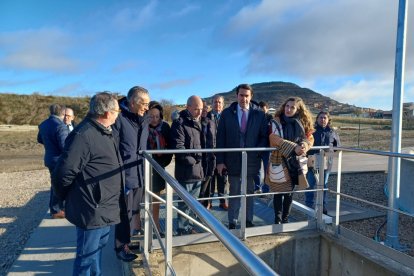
{"x": 250, "y": 261}
{"x": 222, "y": 233}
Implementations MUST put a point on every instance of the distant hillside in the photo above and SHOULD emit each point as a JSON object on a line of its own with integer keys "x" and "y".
{"x": 33, "y": 109}
{"x": 275, "y": 93}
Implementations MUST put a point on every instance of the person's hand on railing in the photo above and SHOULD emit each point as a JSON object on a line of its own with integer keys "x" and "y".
{"x": 221, "y": 168}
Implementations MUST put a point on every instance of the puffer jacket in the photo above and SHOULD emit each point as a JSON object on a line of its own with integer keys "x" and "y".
{"x": 186, "y": 133}
{"x": 89, "y": 176}
{"x": 229, "y": 136}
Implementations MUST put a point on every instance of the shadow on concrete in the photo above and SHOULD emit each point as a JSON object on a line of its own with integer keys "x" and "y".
{"x": 22, "y": 220}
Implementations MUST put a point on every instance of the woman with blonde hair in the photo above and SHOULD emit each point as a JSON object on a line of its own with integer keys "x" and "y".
{"x": 292, "y": 130}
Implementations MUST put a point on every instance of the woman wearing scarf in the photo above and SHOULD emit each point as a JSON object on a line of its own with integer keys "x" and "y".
{"x": 292, "y": 130}
{"x": 158, "y": 138}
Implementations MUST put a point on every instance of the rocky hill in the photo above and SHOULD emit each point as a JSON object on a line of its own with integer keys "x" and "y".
{"x": 275, "y": 93}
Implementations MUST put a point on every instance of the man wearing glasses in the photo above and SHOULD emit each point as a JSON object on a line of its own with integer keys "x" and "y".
{"x": 88, "y": 176}
{"x": 132, "y": 129}
{"x": 68, "y": 119}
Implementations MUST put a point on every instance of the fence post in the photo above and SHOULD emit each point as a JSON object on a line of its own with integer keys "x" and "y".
{"x": 243, "y": 198}
{"x": 319, "y": 186}
{"x": 147, "y": 225}
{"x": 338, "y": 190}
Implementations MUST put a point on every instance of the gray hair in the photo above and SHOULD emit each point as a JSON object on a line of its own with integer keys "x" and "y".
{"x": 57, "y": 109}
{"x": 102, "y": 102}
{"x": 135, "y": 94}
{"x": 217, "y": 96}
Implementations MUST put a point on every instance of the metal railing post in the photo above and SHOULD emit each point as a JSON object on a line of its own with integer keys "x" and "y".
{"x": 338, "y": 190}
{"x": 168, "y": 228}
{"x": 147, "y": 223}
{"x": 397, "y": 106}
{"x": 244, "y": 193}
{"x": 320, "y": 185}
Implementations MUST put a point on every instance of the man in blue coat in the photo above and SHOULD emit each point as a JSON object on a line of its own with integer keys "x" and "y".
{"x": 242, "y": 125}
{"x": 52, "y": 134}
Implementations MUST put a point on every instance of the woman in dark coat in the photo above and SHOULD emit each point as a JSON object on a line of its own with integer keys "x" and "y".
{"x": 324, "y": 135}
{"x": 158, "y": 138}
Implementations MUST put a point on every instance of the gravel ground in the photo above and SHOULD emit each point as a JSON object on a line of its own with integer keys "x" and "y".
{"x": 370, "y": 186}
{"x": 24, "y": 198}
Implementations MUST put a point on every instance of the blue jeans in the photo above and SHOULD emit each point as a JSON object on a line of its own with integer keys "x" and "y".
{"x": 89, "y": 250}
{"x": 310, "y": 196}
{"x": 194, "y": 189}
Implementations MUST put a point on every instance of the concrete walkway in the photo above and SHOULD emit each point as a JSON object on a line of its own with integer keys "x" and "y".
{"x": 51, "y": 248}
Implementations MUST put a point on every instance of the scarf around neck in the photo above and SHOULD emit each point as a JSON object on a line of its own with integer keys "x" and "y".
{"x": 292, "y": 128}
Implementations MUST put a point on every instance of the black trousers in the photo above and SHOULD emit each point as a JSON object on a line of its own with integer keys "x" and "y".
{"x": 221, "y": 182}
{"x": 122, "y": 229}
{"x": 282, "y": 204}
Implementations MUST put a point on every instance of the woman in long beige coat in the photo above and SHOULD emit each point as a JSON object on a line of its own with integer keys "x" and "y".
{"x": 292, "y": 131}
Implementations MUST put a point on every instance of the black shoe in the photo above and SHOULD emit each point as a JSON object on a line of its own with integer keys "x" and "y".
{"x": 138, "y": 232}
{"x": 232, "y": 226}
{"x": 325, "y": 211}
{"x": 249, "y": 224}
{"x": 134, "y": 246}
{"x": 162, "y": 235}
{"x": 278, "y": 221}
{"x": 189, "y": 231}
{"x": 285, "y": 220}
{"x": 125, "y": 254}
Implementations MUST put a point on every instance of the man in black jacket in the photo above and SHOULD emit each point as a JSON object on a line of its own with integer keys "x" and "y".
{"x": 242, "y": 125}
{"x": 186, "y": 133}
{"x": 89, "y": 177}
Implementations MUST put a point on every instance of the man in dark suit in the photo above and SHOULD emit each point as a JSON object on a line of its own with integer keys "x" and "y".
{"x": 52, "y": 134}
{"x": 245, "y": 116}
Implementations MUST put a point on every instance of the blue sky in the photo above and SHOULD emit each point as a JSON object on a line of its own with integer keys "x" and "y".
{"x": 341, "y": 49}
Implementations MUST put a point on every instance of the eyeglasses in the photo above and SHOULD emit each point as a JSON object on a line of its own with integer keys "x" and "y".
{"x": 144, "y": 104}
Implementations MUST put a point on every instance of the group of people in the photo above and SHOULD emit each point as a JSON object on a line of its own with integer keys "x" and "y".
{"x": 97, "y": 168}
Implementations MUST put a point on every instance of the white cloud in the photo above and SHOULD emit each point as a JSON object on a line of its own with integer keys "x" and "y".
{"x": 74, "y": 89}
{"x": 44, "y": 49}
{"x": 136, "y": 18}
{"x": 125, "y": 67}
{"x": 184, "y": 11}
{"x": 316, "y": 38}
{"x": 174, "y": 83}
